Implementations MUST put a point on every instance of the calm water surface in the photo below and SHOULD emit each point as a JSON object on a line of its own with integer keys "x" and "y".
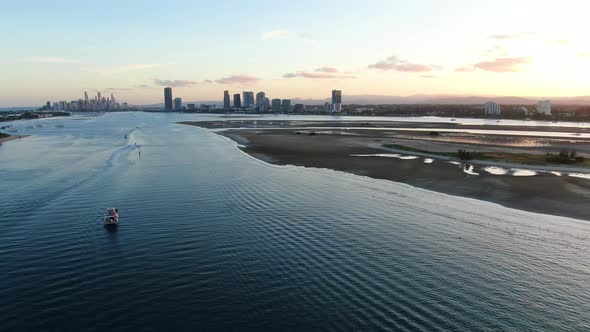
{"x": 213, "y": 239}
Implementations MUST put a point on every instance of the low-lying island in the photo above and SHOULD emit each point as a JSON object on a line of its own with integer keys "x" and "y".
{"x": 426, "y": 161}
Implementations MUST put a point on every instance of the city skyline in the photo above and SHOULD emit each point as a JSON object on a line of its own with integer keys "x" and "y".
{"x": 294, "y": 50}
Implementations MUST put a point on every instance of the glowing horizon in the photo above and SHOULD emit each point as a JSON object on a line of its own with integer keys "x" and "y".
{"x": 303, "y": 50}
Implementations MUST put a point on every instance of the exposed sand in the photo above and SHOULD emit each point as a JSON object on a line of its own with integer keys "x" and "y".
{"x": 12, "y": 137}
{"x": 544, "y": 193}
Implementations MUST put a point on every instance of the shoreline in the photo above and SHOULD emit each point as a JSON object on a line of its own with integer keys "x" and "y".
{"x": 12, "y": 137}
{"x": 545, "y": 192}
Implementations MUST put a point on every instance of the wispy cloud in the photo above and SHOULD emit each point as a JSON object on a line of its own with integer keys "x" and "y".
{"x": 503, "y": 65}
{"x": 242, "y": 80}
{"x": 143, "y": 86}
{"x": 319, "y": 73}
{"x": 274, "y": 34}
{"x": 326, "y": 70}
{"x": 515, "y": 35}
{"x": 238, "y": 80}
{"x": 131, "y": 67}
{"x": 496, "y": 51}
{"x": 122, "y": 69}
{"x": 287, "y": 34}
{"x": 117, "y": 89}
{"x": 584, "y": 55}
{"x": 175, "y": 83}
{"x": 48, "y": 60}
{"x": 394, "y": 63}
{"x": 428, "y": 76}
{"x": 465, "y": 69}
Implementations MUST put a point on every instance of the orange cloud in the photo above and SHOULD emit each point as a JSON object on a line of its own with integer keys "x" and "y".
{"x": 394, "y": 63}
{"x": 319, "y": 75}
{"x": 503, "y": 65}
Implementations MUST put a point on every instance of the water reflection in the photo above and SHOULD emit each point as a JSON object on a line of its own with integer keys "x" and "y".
{"x": 111, "y": 229}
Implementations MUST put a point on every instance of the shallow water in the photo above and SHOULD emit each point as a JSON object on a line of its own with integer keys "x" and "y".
{"x": 213, "y": 239}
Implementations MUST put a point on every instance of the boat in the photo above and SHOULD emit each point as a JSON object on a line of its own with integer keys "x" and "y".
{"x": 39, "y": 126}
{"x": 59, "y": 126}
{"x": 111, "y": 216}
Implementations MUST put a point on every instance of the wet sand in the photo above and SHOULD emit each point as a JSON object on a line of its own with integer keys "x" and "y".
{"x": 12, "y": 137}
{"x": 544, "y": 193}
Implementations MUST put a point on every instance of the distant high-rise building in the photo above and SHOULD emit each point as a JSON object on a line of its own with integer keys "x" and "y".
{"x": 544, "y": 107}
{"x": 248, "y": 98}
{"x": 327, "y": 107}
{"x": 336, "y": 100}
{"x": 177, "y": 104}
{"x": 237, "y": 101}
{"x": 276, "y": 105}
{"x": 492, "y": 108}
{"x": 190, "y": 106}
{"x": 286, "y": 105}
{"x": 112, "y": 98}
{"x": 48, "y": 104}
{"x": 86, "y": 104}
{"x": 226, "y": 101}
{"x": 261, "y": 100}
{"x": 168, "y": 99}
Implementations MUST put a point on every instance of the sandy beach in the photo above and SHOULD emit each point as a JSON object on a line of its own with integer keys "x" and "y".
{"x": 12, "y": 137}
{"x": 354, "y": 151}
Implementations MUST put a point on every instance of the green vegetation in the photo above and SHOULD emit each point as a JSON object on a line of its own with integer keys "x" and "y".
{"x": 12, "y": 116}
{"x": 3, "y": 135}
{"x": 564, "y": 157}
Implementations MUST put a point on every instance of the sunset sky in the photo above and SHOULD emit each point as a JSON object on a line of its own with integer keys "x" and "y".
{"x": 54, "y": 50}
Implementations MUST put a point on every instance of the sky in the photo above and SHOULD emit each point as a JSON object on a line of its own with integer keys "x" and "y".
{"x": 56, "y": 50}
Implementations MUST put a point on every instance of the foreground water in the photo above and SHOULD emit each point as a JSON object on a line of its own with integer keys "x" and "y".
{"x": 211, "y": 238}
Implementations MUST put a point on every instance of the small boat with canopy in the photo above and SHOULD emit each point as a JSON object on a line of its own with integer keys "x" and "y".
{"x": 111, "y": 216}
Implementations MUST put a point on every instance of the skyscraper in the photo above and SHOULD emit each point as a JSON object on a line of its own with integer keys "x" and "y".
{"x": 237, "y": 101}
{"x": 178, "y": 104}
{"x": 492, "y": 108}
{"x": 168, "y": 99}
{"x": 86, "y": 106}
{"x": 336, "y": 100}
{"x": 226, "y": 101}
{"x": 248, "y": 98}
{"x": 276, "y": 105}
{"x": 544, "y": 107}
{"x": 286, "y": 105}
{"x": 261, "y": 100}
